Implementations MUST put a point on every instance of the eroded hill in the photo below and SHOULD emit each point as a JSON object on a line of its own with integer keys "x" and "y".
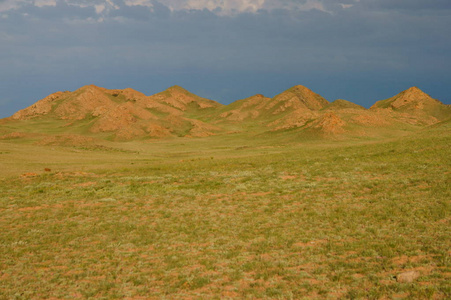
{"x": 128, "y": 114}
{"x": 125, "y": 114}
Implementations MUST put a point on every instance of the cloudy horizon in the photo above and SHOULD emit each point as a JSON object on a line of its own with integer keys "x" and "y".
{"x": 362, "y": 51}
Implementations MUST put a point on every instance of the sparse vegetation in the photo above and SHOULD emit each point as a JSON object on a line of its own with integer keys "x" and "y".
{"x": 124, "y": 115}
{"x": 294, "y": 198}
{"x": 227, "y": 217}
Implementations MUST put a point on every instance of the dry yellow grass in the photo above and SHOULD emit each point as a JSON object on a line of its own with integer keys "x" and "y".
{"x": 226, "y": 217}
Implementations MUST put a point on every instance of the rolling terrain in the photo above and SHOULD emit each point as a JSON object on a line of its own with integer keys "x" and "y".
{"x": 112, "y": 194}
{"x": 125, "y": 115}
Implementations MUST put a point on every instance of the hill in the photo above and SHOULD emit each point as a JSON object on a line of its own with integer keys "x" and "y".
{"x": 340, "y": 104}
{"x": 415, "y": 107}
{"x": 406, "y": 112}
{"x": 183, "y": 100}
{"x": 124, "y": 114}
{"x": 290, "y": 108}
{"x": 128, "y": 114}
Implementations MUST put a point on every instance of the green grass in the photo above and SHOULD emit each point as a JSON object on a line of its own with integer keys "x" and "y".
{"x": 50, "y": 126}
{"x": 227, "y": 217}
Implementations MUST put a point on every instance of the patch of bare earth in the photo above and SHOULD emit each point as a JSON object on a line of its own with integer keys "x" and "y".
{"x": 15, "y": 135}
{"x": 375, "y": 119}
{"x": 297, "y": 118}
{"x": 66, "y": 140}
{"x": 328, "y": 123}
{"x": 201, "y": 129}
{"x": 42, "y": 107}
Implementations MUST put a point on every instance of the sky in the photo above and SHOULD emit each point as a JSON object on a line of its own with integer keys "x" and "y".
{"x": 359, "y": 50}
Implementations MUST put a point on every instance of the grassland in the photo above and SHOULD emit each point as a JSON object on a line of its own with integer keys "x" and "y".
{"x": 227, "y": 217}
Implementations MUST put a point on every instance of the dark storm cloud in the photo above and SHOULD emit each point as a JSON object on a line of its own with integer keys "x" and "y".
{"x": 413, "y": 5}
{"x": 347, "y": 51}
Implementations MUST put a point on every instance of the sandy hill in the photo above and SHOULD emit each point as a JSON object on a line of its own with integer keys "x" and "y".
{"x": 328, "y": 123}
{"x": 245, "y": 109}
{"x": 183, "y": 100}
{"x": 294, "y": 108}
{"x": 410, "y": 99}
{"x": 126, "y": 114}
{"x": 283, "y": 110}
{"x": 415, "y": 107}
{"x": 297, "y": 97}
{"x": 408, "y": 111}
{"x": 340, "y": 104}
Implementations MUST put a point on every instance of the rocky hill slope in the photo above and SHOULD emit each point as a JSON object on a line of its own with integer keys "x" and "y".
{"x": 128, "y": 114}
{"x": 415, "y": 107}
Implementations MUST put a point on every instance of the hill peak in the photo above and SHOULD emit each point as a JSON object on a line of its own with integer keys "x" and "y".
{"x": 301, "y": 87}
{"x": 412, "y": 98}
{"x": 130, "y": 90}
{"x": 177, "y": 88}
{"x": 300, "y": 96}
{"x": 90, "y": 87}
{"x": 414, "y": 88}
{"x": 182, "y": 99}
{"x": 416, "y": 102}
{"x": 415, "y": 91}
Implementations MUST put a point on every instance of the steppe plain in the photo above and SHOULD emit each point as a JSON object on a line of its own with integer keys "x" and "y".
{"x": 111, "y": 194}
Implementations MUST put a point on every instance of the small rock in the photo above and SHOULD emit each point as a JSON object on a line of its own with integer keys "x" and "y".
{"x": 408, "y": 277}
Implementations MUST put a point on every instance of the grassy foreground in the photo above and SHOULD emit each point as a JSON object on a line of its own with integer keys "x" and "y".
{"x": 221, "y": 218}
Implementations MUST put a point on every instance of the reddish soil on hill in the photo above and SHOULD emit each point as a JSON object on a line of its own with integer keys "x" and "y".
{"x": 128, "y": 114}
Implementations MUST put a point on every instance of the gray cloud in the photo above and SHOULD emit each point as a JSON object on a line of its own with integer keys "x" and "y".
{"x": 412, "y": 5}
{"x": 144, "y": 44}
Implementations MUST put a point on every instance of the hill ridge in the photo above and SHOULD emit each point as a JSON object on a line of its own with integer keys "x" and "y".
{"x": 126, "y": 114}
